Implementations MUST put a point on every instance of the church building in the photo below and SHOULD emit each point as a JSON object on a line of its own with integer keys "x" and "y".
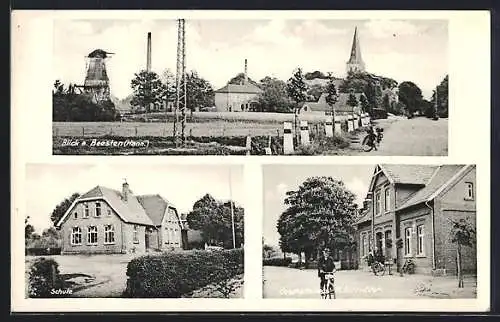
{"x": 355, "y": 63}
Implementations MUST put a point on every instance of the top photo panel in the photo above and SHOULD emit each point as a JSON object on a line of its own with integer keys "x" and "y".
{"x": 250, "y": 87}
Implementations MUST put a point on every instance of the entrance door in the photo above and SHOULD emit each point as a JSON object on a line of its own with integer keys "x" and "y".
{"x": 146, "y": 240}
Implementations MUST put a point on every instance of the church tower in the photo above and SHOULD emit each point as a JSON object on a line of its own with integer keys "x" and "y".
{"x": 355, "y": 63}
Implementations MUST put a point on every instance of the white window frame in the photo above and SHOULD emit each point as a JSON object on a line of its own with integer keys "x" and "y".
{"x": 86, "y": 210}
{"x": 135, "y": 235}
{"x": 74, "y": 233}
{"x": 407, "y": 244}
{"x": 91, "y": 230}
{"x": 421, "y": 240}
{"x": 469, "y": 191}
{"x": 98, "y": 209}
{"x": 387, "y": 199}
{"x": 109, "y": 234}
{"x": 378, "y": 203}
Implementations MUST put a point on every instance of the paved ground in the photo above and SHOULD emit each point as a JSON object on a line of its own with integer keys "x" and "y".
{"x": 419, "y": 136}
{"x": 284, "y": 282}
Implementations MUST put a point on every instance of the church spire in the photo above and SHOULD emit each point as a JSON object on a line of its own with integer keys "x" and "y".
{"x": 355, "y": 63}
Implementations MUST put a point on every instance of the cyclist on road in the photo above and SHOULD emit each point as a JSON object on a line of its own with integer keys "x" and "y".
{"x": 325, "y": 266}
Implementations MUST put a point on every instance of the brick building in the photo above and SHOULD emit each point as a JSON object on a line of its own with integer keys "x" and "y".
{"x": 104, "y": 220}
{"x": 417, "y": 203}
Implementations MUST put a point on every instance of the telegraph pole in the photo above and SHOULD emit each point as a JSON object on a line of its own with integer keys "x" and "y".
{"x": 180, "y": 80}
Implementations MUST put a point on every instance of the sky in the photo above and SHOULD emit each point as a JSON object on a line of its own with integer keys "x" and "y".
{"x": 406, "y": 50}
{"x": 48, "y": 184}
{"x": 278, "y": 179}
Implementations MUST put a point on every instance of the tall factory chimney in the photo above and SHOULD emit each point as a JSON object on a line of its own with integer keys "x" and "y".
{"x": 246, "y": 71}
{"x": 148, "y": 63}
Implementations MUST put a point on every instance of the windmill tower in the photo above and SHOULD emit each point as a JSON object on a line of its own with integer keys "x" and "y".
{"x": 96, "y": 79}
{"x": 355, "y": 63}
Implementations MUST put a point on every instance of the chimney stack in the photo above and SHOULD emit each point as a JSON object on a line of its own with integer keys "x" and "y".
{"x": 246, "y": 71}
{"x": 125, "y": 190}
{"x": 148, "y": 63}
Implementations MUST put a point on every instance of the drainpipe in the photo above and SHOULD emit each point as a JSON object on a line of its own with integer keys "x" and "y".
{"x": 433, "y": 235}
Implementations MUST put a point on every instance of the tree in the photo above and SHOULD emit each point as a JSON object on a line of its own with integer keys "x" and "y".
{"x": 58, "y": 88}
{"x": 200, "y": 92}
{"x": 240, "y": 79}
{"x": 364, "y": 103}
{"x": 352, "y": 101}
{"x": 148, "y": 90}
{"x": 386, "y": 104}
{"x": 463, "y": 234}
{"x": 315, "y": 91}
{"x": 442, "y": 97}
{"x": 28, "y": 231}
{"x": 62, "y": 207}
{"x": 274, "y": 97}
{"x": 213, "y": 219}
{"x": 168, "y": 80}
{"x": 268, "y": 251}
{"x": 331, "y": 96}
{"x": 320, "y": 213}
{"x": 316, "y": 74}
{"x": 297, "y": 91}
{"x": 411, "y": 96}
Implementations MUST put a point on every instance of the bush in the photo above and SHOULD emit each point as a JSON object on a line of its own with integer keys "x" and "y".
{"x": 40, "y": 251}
{"x": 171, "y": 275}
{"x": 323, "y": 144}
{"x": 43, "y": 277}
{"x": 278, "y": 261}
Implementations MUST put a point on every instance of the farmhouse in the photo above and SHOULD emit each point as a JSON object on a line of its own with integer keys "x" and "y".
{"x": 340, "y": 107}
{"x": 417, "y": 203}
{"x": 237, "y": 97}
{"x": 104, "y": 220}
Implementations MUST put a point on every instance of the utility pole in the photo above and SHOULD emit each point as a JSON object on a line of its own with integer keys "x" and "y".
{"x": 232, "y": 208}
{"x": 180, "y": 81}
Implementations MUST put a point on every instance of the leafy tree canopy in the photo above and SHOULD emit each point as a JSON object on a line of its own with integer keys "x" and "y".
{"x": 148, "y": 90}
{"x": 62, "y": 207}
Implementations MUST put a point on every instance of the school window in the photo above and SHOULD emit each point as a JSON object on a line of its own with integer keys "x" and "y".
{"x": 92, "y": 235}
{"x": 76, "y": 236}
{"x": 387, "y": 201}
{"x": 109, "y": 234}
{"x": 98, "y": 209}
{"x": 86, "y": 211}
{"x": 75, "y": 215}
{"x": 469, "y": 192}
{"x": 378, "y": 202}
{"x": 408, "y": 241}
{"x": 109, "y": 212}
{"x": 136, "y": 234}
{"x": 420, "y": 245}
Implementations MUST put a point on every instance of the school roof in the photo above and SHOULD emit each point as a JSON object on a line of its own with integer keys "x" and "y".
{"x": 408, "y": 174}
{"x": 142, "y": 210}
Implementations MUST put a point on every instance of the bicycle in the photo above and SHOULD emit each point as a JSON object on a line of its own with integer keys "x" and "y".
{"x": 329, "y": 289}
{"x": 378, "y": 268}
{"x": 372, "y": 139}
{"x": 408, "y": 267}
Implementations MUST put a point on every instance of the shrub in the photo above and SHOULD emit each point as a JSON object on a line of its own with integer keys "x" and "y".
{"x": 277, "y": 261}
{"x": 43, "y": 277}
{"x": 171, "y": 275}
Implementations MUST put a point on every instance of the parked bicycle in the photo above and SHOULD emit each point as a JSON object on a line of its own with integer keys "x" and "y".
{"x": 378, "y": 268}
{"x": 408, "y": 266}
{"x": 329, "y": 289}
{"x": 372, "y": 139}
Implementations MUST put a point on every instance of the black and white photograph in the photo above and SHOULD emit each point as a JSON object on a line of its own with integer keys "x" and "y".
{"x": 126, "y": 231}
{"x": 392, "y": 231}
{"x": 250, "y": 87}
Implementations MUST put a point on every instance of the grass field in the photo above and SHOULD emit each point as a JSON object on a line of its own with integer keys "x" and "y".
{"x": 213, "y": 124}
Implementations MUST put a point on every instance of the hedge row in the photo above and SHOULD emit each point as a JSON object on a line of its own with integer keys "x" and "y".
{"x": 171, "y": 275}
{"x": 277, "y": 261}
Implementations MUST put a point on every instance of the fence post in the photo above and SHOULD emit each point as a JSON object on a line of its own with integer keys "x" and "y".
{"x": 191, "y": 133}
{"x": 249, "y": 144}
{"x": 111, "y": 130}
{"x": 268, "y": 148}
{"x": 304, "y": 133}
{"x": 83, "y": 131}
{"x": 287, "y": 138}
{"x": 136, "y": 131}
{"x": 328, "y": 127}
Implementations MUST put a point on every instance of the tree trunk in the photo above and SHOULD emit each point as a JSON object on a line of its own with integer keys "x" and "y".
{"x": 300, "y": 257}
{"x": 459, "y": 266}
{"x": 296, "y": 116}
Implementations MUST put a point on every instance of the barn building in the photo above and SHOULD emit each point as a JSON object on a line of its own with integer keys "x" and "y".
{"x": 417, "y": 203}
{"x": 237, "y": 97}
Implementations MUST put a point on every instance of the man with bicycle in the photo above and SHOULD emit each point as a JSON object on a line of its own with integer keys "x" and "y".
{"x": 326, "y": 266}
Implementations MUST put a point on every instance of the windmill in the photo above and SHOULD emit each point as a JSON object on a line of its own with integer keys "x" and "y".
{"x": 96, "y": 79}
